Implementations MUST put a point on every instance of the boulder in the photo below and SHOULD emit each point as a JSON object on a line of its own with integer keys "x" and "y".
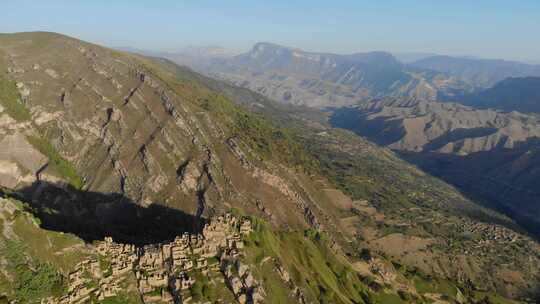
{"x": 242, "y": 270}
{"x": 236, "y": 285}
{"x": 249, "y": 281}
{"x": 6, "y": 121}
{"x": 9, "y": 174}
{"x": 242, "y": 299}
{"x": 51, "y": 73}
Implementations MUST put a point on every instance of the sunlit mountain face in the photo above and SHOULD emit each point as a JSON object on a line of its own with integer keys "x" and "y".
{"x": 346, "y": 160}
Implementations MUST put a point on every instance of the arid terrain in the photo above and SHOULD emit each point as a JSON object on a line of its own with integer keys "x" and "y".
{"x": 130, "y": 179}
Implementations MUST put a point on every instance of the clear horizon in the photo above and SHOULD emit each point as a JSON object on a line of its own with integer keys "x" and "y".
{"x": 486, "y": 29}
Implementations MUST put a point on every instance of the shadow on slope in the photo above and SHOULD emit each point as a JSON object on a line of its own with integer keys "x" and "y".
{"x": 378, "y": 130}
{"x": 93, "y": 216}
{"x": 506, "y": 180}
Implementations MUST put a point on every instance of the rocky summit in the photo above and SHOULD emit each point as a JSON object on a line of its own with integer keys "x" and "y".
{"x": 129, "y": 179}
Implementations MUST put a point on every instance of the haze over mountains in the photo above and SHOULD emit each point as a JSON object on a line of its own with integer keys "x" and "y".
{"x": 317, "y": 79}
{"x": 193, "y": 56}
{"x": 512, "y": 94}
{"x": 399, "y": 105}
{"x": 482, "y": 73}
{"x": 130, "y": 179}
{"x": 340, "y": 80}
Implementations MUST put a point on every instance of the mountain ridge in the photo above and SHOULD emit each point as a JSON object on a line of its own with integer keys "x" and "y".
{"x": 162, "y": 136}
{"x": 482, "y": 73}
{"x": 314, "y": 79}
{"x": 511, "y": 94}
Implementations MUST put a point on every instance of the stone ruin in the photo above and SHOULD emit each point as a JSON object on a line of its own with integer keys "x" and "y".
{"x": 163, "y": 271}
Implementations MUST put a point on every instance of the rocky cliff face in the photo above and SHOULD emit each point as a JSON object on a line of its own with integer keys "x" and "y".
{"x": 129, "y": 129}
{"x": 100, "y": 143}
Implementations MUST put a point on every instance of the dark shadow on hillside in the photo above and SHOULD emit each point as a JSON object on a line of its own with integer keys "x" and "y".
{"x": 457, "y": 135}
{"x": 485, "y": 178}
{"x": 378, "y": 130}
{"x": 93, "y": 216}
{"x": 502, "y": 179}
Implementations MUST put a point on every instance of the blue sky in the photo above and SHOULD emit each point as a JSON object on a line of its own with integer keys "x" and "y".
{"x": 492, "y": 29}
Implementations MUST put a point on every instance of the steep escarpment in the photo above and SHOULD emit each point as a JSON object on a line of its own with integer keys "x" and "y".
{"x": 145, "y": 152}
{"x": 131, "y": 128}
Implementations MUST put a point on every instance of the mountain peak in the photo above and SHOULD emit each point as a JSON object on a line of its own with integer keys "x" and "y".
{"x": 266, "y": 45}
{"x": 269, "y": 49}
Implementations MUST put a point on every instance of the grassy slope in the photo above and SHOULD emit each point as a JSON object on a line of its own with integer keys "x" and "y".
{"x": 37, "y": 260}
{"x": 268, "y": 141}
{"x": 9, "y": 97}
{"x": 56, "y": 162}
{"x": 327, "y": 277}
{"x": 260, "y": 134}
{"x": 363, "y": 171}
{"x": 13, "y": 106}
{"x": 323, "y": 276}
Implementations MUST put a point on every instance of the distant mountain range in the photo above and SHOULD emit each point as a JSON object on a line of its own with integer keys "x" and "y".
{"x": 409, "y": 57}
{"x": 192, "y": 56}
{"x": 511, "y": 94}
{"x": 298, "y": 77}
{"x": 291, "y": 75}
{"x": 474, "y": 145}
{"x": 482, "y": 73}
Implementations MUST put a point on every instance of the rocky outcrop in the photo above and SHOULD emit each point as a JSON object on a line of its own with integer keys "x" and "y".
{"x": 304, "y": 206}
{"x": 238, "y": 153}
{"x": 10, "y": 174}
{"x": 296, "y": 291}
{"x": 240, "y": 279}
